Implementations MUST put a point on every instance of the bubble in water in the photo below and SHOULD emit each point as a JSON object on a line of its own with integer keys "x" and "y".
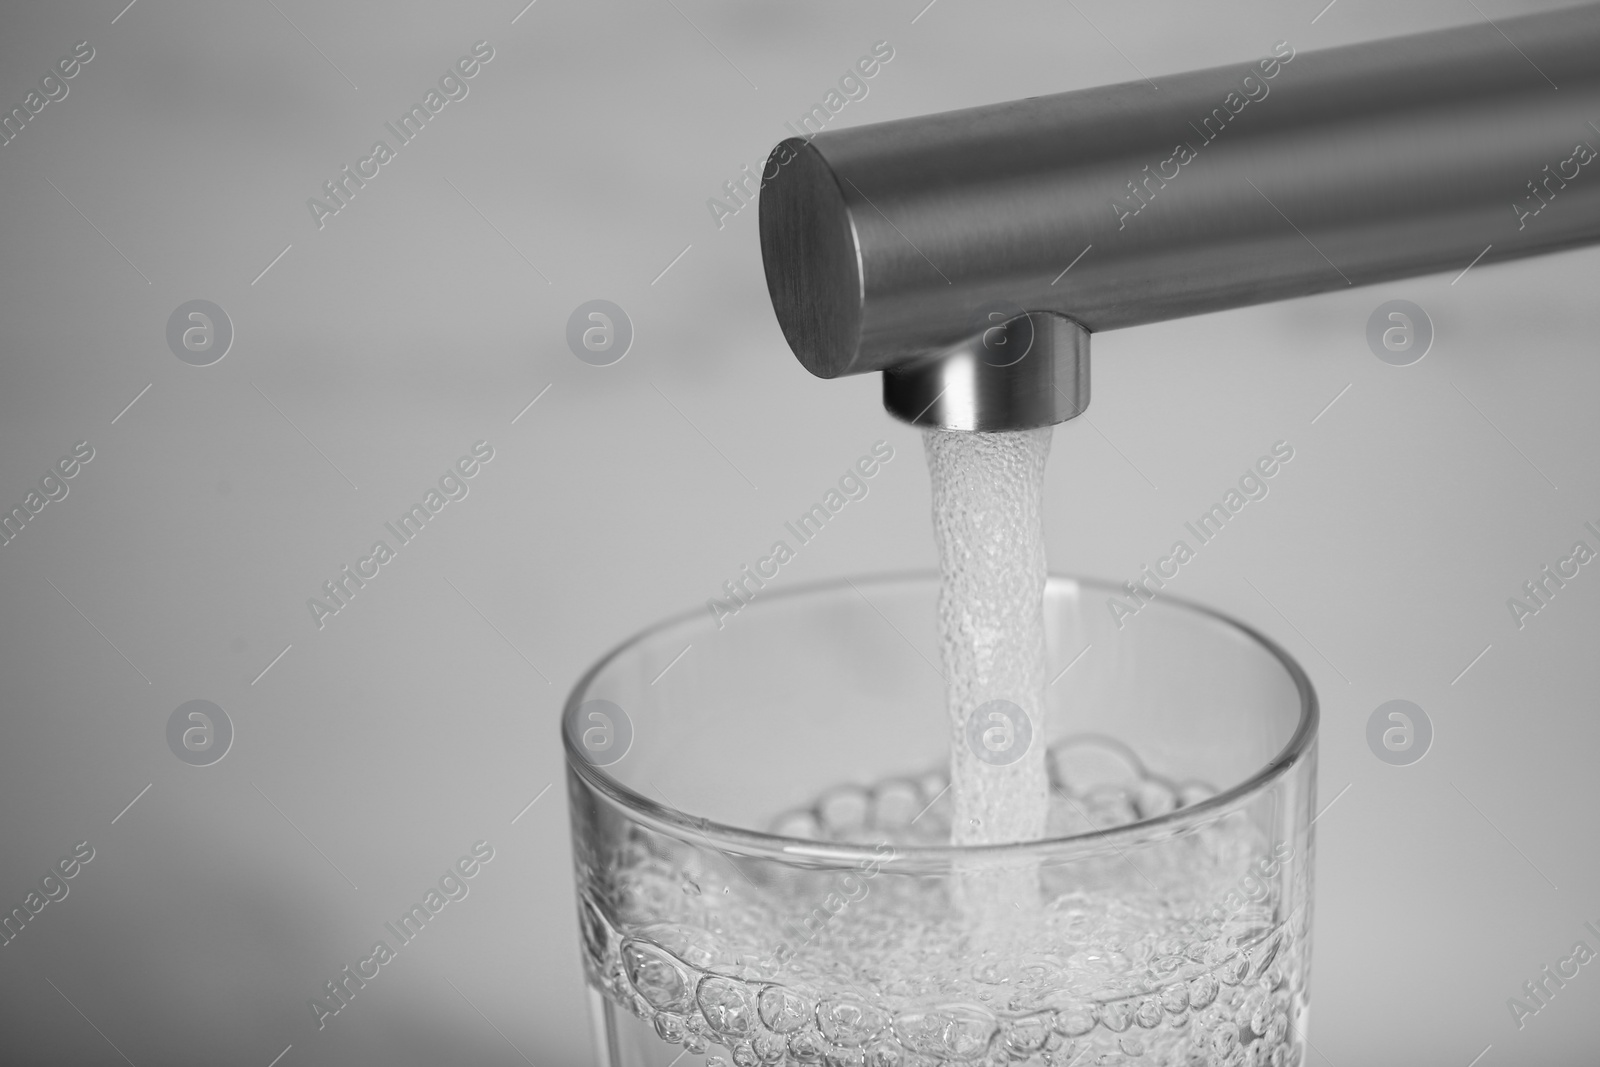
{"x": 1074, "y": 1022}
{"x": 769, "y": 1047}
{"x": 1175, "y": 998}
{"x": 1114, "y": 1017}
{"x": 802, "y": 824}
{"x": 1260, "y": 1019}
{"x": 957, "y": 1031}
{"x": 1028, "y": 1035}
{"x": 1202, "y": 990}
{"x": 886, "y": 1053}
{"x": 783, "y": 1009}
{"x": 844, "y": 810}
{"x": 1070, "y": 1054}
{"x": 1155, "y": 798}
{"x": 689, "y": 944}
{"x": 850, "y": 1022}
{"x": 807, "y": 1046}
{"x": 657, "y": 976}
{"x": 669, "y": 1027}
{"x": 1233, "y": 971}
{"x": 895, "y": 804}
{"x": 727, "y": 1004}
{"x": 1085, "y": 764}
{"x": 1109, "y": 807}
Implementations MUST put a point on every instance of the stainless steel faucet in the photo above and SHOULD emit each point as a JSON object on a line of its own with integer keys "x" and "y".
{"x": 968, "y": 255}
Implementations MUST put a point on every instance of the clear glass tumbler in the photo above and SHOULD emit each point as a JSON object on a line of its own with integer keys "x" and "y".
{"x": 760, "y": 834}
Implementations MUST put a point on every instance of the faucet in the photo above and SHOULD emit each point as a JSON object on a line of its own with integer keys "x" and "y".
{"x": 969, "y": 255}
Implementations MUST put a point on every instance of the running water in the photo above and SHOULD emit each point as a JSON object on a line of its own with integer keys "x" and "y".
{"x": 987, "y": 502}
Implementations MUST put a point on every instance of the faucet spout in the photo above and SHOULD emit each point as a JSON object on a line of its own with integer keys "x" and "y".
{"x": 935, "y": 248}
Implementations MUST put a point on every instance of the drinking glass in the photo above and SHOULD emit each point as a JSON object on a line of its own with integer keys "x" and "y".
{"x": 760, "y": 822}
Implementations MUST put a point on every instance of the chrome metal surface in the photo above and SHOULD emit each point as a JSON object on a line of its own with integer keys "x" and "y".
{"x": 1030, "y": 371}
{"x": 1299, "y": 172}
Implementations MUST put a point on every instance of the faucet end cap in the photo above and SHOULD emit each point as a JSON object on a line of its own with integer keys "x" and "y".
{"x": 1029, "y": 372}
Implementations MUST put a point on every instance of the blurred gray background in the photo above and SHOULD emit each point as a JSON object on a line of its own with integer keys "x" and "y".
{"x": 369, "y": 354}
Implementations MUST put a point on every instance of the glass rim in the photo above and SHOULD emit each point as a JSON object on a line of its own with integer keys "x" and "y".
{"x": 760, "y": 844}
